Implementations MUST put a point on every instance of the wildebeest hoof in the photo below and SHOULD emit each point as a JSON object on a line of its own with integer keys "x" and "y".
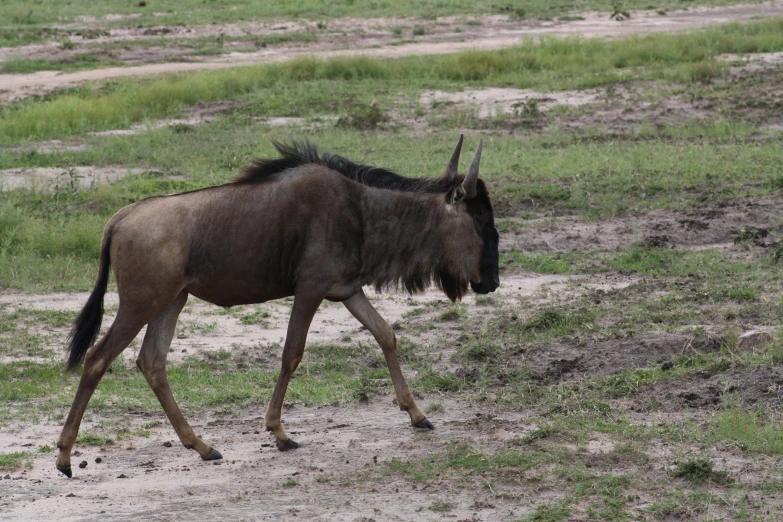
{"x": 287, "y": 445}
{"x": 425, "y": 424}
{"x": 213, "y": 455}
{"x": 65, "y": 470}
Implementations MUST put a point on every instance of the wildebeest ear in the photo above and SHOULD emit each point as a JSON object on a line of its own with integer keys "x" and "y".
{"x": 453, "y": 166}
{"x": 470, "y": 180}
{"x": 455, "y": 195}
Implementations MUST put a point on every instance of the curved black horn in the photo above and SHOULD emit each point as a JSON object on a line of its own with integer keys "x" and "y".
{"x": 452, "y": 167}
{"x": 470, "y": 180}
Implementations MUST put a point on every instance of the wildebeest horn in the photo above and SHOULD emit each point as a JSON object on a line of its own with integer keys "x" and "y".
{"x": 470, "y": 180}
{"x": 453, "y": 166}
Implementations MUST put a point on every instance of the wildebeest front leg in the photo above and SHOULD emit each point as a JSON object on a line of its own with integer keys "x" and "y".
{"x": 152, "y": 363}
{"x": 360, "y": 307}
{"x": 301, "y": 316}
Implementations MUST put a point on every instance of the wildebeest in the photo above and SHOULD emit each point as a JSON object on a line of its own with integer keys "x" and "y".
{"x": 315, "y": 226}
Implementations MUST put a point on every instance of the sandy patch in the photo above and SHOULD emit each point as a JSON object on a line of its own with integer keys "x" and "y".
{"x": 139, "y": 477}
{"x": 64, "y": 178}
{"x": 49, "y": 146}
{"x": 146, "y": 127}
{"x": 761, "y": 60}
{"x": 496, "y": 101}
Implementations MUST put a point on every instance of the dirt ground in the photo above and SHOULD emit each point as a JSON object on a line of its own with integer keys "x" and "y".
{"x": 708, "y": 226}
{"x": 142, "y": 478}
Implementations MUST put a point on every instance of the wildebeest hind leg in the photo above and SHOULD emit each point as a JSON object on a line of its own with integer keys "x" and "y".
{"x": 152, "y": 363}
{"x": 360, "y": 307}
{"x": 96, "y": 361}
{"x": 301, "y": 316}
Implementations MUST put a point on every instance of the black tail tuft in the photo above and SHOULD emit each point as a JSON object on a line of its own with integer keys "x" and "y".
{"x": 87, "y": 325}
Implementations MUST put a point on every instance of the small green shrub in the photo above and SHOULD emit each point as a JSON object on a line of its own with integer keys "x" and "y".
{"x": 14, "y": 461}
{"x": 700, "y": 470}
{"x": 363, "y": 117}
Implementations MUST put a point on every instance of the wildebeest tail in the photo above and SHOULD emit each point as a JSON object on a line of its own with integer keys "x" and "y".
{"x": 88, "y": 323}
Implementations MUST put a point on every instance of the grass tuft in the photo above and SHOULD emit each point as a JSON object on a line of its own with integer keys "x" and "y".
{"x": 14, "y": 461}
{"x": 700, "y": 470}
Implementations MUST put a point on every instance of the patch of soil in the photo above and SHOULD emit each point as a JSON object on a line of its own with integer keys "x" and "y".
{"x": 48, "y": 146}
{"x": 754, "y": 386}
{"x": 751, "y": 92}
{"x": 758, "y": 91}
{"x": 65, "y": 178}
{"x": 717, "y": 224}
{"x": 574, "y": 361}
{"x": 495, "y": 101}
{"x": 291, "y": 121}
{"x": 366, "y": 37}
{"x": 323, "y": 479}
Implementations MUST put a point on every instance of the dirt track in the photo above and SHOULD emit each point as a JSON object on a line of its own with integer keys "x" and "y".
{"x": 338, "y": 445}
{"x": 493, "y": 33}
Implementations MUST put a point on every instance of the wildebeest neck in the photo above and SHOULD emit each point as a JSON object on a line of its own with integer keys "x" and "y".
{"x": 412, "y": 240}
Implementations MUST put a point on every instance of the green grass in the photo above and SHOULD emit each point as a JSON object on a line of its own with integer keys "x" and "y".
{"x": 506, "y": 471}
{"x": 259, "y": 316}
{"x": 549, "y": 513}
{"x": 557, "y": 322}
{"x": 465, "y": 459}
{"x": 14, "y": 461}
{"x": 655, "y": 261}
{"x": 18, "y": 15}
{"x": 24, "y": 317}
{"x": 21, "y": 331}
{"x": 753, "y": 430}
{"x": 553, "y": 63}
{"x": 91, "y": 439}
{"x": 699, "y": 470}
{"x": 75, "y": 63}
{"x": 328, "y": 374}
{"x": 440, "y": 507}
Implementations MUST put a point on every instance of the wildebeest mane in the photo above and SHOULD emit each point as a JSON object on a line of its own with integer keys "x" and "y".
{"x": 300, "y": 153}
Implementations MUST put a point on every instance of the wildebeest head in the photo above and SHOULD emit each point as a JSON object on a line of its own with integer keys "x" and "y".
{"x": 473, "y": 194}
